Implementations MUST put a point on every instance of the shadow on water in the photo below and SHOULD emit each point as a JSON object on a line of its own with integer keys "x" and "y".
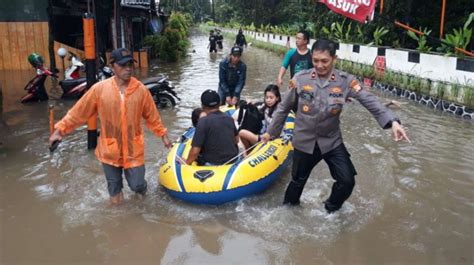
{"x": 412, "y": 202}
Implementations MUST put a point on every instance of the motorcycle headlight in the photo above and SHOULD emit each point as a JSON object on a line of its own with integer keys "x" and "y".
{"x": 170, "y": 83}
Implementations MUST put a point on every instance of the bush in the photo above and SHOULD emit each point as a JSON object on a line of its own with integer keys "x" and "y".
{"x": 173, "y": 43}
{"x": 152, "y": 41}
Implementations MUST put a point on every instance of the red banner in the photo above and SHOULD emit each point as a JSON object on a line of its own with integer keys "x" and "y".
{"x": 360, "y": 10}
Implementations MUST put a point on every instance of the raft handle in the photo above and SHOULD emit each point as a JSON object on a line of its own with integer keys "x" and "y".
{"x": 202, "y": 175}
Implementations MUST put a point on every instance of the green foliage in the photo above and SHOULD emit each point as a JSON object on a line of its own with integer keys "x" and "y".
{"x": 211, "y": 24}
{"x": 173, "y": 43}
{"x": 378, "y": 34}
{"x": 425, "y": 87}
{"x": 459, "y": 38}
{"x": 345, "y": 65}
{"x": 414, "y": 84}
{"x": 167, "y": 52}
{"x": 183, "y": 47}
{"x": 454, "y": 91}
{"x": 440, "y": 90}
{"x": 153, "y": 41}
{"x": 389, "y": 78}
{"x": 194, "y": 10}
{"x": 469, "y": 96}
{"x": 328, "y": 33}
{"x": 180, "y": 23}
{"x": 422, "y": 45}
{"x": 359, "y": 36}
{"x": 368, "y": 71}
{"x": 340, "y": 32}
{"x": 251, "y": 27}
{"x": 285, "y": 17}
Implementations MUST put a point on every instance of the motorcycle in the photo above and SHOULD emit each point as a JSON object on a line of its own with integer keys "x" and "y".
{"x": 73, "y": 71}
{"x": 75, "y": 88}
{"x": 35, "y": 87}
{"x": 162, "y": 91}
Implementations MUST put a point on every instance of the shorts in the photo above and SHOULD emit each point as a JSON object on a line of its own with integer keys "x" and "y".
{"x": 135, "y": 178}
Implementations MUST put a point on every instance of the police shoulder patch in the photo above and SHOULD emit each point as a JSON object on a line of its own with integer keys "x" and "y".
{"x": 355, "y": 86}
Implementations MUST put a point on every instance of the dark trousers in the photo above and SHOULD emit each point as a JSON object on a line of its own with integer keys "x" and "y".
{"x": 222, "y": 95}
{"x": 135, "y": 178}
{"x": 341, "y": 168}
{"x": 212, "y": 48}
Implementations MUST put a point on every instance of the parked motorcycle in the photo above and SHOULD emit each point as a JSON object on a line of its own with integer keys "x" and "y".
{"x": 35, "y": 88}
{"x": 73, "y": 71}
{"x": 75, "y": 88}
{"x": 162, "y": 91}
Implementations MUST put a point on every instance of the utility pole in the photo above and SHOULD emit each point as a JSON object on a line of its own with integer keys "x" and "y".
{"x": 52, "y": 58}
{"x": 89, "y": 50}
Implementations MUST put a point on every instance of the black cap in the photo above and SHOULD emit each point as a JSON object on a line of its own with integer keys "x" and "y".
{"x": 121, "y": 56}
{"x": 236, "y": 50}
{"x": 210, "y": 98}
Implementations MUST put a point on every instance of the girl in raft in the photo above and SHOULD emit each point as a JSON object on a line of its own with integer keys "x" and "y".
{"x": 271, "y": 99}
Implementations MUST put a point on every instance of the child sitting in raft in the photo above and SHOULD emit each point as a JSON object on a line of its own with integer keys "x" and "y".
{"x": 271, "y": 99}
{"x": 196, "y": 115}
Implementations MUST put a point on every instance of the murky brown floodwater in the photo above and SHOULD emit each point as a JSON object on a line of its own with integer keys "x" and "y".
{"x": 413, "y": 203}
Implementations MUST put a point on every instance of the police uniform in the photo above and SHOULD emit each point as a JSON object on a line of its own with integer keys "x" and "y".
{"x": 317, "y": 134}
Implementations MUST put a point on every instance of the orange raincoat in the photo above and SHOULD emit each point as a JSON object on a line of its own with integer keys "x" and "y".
{"x": 121, "y": 141}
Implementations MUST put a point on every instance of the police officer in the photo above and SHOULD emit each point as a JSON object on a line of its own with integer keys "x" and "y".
{"x": 320, "y": 95}
{"x": 232, "y": 76}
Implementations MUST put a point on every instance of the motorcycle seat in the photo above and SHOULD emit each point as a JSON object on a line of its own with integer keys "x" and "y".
{"x": 72, "y": 82}
{"x": 152, "y": 79}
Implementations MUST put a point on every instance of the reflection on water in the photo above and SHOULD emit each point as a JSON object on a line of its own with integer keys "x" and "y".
{"x": 413, "y": 203}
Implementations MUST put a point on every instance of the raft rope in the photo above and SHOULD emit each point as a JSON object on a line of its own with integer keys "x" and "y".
{"x": 182, "y": 161}
{"x": 286, "y": 139}
{"x": 239, "y": 154}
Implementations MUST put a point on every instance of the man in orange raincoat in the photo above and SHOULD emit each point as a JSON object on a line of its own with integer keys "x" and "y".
{"x": 120, "y": 102}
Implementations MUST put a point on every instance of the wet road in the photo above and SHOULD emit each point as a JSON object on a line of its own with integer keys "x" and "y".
{"x": 412, "y": 204}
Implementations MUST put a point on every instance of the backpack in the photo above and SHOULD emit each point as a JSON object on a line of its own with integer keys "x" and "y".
{"x": 250, "y": 118}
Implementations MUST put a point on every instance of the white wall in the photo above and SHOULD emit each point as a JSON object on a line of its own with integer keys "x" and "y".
{"x": 434, "y": 67}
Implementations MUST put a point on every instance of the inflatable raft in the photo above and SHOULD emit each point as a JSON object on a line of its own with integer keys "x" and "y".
{"x": 225, "y": 183}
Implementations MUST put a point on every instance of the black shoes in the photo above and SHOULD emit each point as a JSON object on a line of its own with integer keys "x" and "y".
{"x": 330, "y": 207}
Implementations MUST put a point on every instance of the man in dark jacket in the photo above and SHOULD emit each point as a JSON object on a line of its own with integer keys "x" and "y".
{"x": 240, "y": 39}
{"x": 232, "y": 75}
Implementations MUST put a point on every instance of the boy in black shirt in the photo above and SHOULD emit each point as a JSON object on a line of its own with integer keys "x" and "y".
{"x": 215, "y": 139}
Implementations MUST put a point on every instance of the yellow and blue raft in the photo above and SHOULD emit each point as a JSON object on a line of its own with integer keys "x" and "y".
{"x": 220, "y": 184}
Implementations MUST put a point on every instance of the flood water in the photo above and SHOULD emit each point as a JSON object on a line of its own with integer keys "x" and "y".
{"x": 412, "y": 204}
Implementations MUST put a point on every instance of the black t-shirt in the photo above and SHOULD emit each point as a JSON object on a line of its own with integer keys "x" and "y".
{"x": 240, "y": 40}
{"x": 297, "y": 62}
{"x": 212, "y": 40}
{"x": 215, "y": 135}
